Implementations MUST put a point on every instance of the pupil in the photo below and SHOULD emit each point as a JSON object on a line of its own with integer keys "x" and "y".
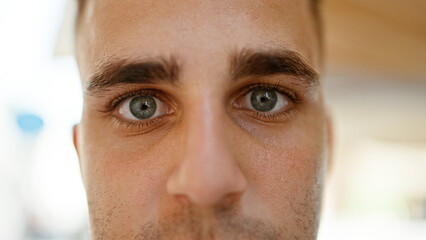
{"x": 263, "y": 100}
{"x": 143, "y": 107}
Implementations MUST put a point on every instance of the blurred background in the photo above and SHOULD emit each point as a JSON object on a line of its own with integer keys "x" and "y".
{"x": 375, "y": 84}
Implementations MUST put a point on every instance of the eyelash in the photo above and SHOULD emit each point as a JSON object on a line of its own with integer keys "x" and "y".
{"x": 273, "y": 87}
{"x": 140, "y": 126}
{"x": 145, "y": 124}
{"x": 120, "y": 98}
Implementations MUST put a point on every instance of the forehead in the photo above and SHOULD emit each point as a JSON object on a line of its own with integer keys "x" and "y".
{"x": 192, "y": 29}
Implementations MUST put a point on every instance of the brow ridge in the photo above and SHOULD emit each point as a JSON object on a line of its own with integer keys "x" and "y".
{"x": 243, "y": 63}
{"x": 248, "y": 63}
{"x": 126, "y": 72}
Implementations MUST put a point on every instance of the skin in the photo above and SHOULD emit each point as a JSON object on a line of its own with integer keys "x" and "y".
{"x": 209, "y": 168}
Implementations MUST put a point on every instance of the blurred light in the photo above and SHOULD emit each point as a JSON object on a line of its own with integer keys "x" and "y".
{"x": 30, "y": 123}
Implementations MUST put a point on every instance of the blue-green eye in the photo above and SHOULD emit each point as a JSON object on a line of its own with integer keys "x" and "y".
{"x": 142, "y": 107}
{"x": 265, "y": 100}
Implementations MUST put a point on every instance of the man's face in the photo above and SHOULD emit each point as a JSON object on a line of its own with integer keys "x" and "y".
{"x": 201, "y": 120}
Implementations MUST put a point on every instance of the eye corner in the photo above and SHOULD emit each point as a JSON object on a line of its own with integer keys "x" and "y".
{"x": 154, "y": 109}
{"x": 280, "y": 109}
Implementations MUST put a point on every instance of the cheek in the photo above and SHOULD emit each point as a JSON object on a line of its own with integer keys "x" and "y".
{"x": 123, "y": 176}
{"x": 285, "y": 168}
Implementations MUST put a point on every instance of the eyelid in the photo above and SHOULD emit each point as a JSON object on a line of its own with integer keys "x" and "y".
{"x": 120, "y": 98}
{"x": 274, "y": 87}
{"x": 292, "y": 97}
{"x": 136, "y": 127}
{"x": 281, "y": 99}
{"x": 133, "y": 127}
{"x": 123, "y": 109}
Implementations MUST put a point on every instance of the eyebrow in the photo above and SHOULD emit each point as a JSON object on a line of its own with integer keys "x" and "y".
{"x": 249, "y": 63}
{"x": 125, "y": 72}
{"x": 244, "y": 63}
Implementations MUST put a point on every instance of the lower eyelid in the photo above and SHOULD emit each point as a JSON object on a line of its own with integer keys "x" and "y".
{"x": 137, "y": 127}
{"x": 282, "y": 116}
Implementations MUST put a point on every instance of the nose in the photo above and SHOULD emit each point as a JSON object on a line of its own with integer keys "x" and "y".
{"x": 207, "y": 173}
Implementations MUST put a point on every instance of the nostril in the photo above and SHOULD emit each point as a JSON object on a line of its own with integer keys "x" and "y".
{"x": 182, "y": 199}
{"x": 231, "y": 199}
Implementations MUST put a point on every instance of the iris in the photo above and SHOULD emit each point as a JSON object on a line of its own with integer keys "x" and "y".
{"x": 263, "y": 100}
{"x": 143, "y": 107}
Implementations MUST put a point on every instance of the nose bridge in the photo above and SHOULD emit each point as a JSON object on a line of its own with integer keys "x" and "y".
{"x": 206, "y": 127}
{"x": 207, "y": 172}
{"x": 207, "y": 153}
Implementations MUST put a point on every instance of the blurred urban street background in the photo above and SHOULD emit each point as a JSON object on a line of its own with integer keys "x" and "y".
{"x": 375, "y": 84}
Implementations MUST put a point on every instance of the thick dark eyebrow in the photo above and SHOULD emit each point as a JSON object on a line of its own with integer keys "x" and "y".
{"x": 245, "y": 63}
{"x": 250, "y": 63}
{"x": 125, "y": 72}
